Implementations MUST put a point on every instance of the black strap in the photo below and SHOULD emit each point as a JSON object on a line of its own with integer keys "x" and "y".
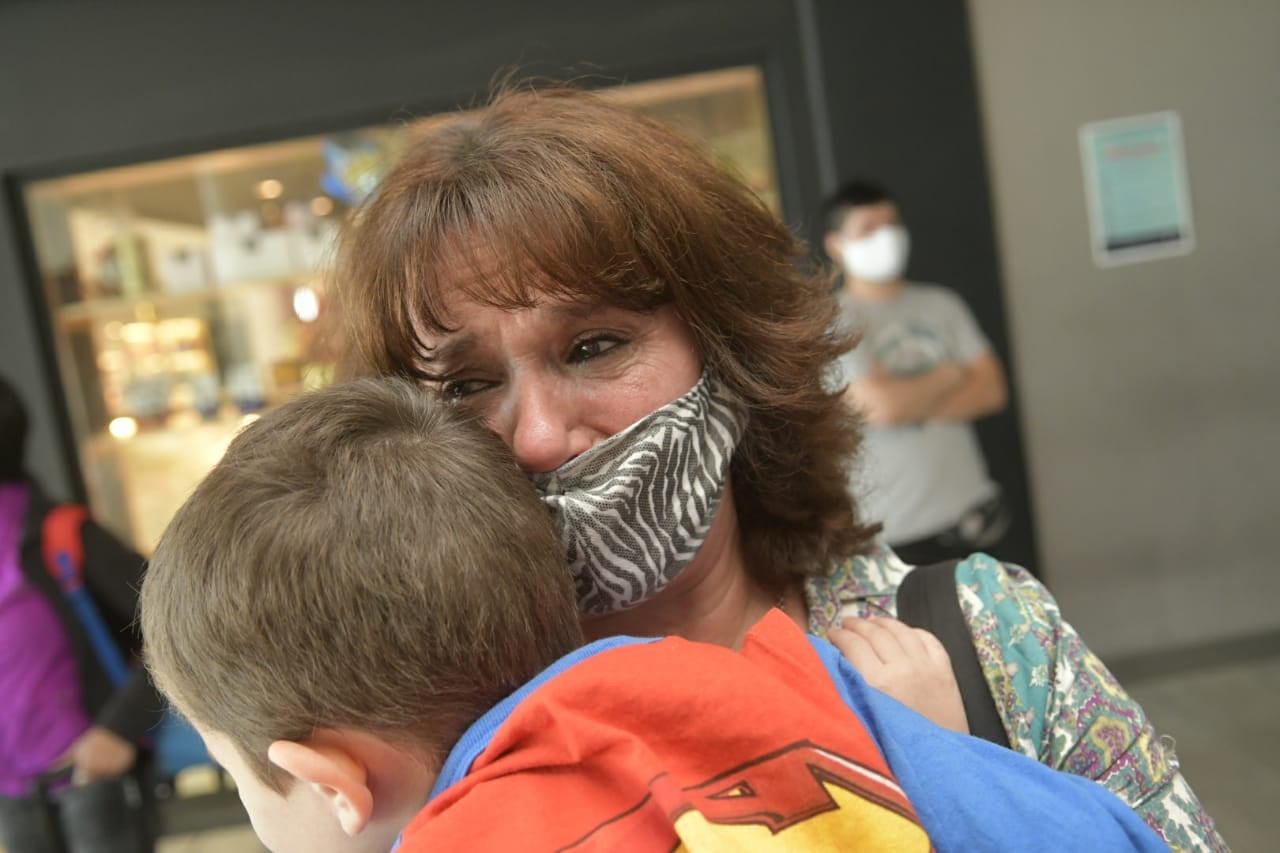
{"x": 927, "y": 599}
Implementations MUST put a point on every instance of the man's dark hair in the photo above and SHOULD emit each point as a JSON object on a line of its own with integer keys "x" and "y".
{"x": 13, "y": 432}
{"x": 854, "y": 192}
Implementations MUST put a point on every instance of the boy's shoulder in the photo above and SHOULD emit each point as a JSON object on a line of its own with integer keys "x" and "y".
{"x": 647, "y": 745}
{"x": 693, "y": 740}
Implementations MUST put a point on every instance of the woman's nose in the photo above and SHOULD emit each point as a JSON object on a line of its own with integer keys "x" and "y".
{"x": 543, "y": 429}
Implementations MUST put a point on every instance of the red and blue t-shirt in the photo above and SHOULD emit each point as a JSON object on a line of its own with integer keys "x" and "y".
{"x": 666, "y": 745}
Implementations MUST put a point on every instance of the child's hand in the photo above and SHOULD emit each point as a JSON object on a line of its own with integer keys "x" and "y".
{"x": 908, "y": 663}
{"x": 99, "y": 754}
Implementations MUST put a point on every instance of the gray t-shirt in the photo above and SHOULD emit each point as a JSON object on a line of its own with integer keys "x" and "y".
{"x": 918, "y": 479}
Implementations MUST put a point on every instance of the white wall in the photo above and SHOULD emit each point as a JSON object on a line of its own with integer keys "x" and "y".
{"x": 1151, "y": 392}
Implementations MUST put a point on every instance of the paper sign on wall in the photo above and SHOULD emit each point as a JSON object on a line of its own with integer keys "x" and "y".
{"x": 1136, "y": 186}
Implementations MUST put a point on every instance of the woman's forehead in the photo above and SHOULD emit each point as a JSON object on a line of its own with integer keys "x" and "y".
{"x": 474, "y": 274}
{"x": 478, "y": 274}
{"x": 476, "y": 295}
{"x": 471, "y": 318}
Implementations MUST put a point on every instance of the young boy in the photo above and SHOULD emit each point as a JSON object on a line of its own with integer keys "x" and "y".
{"x": 366, "y": 612}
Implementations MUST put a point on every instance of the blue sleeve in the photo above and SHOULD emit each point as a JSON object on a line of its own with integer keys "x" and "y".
{"x": 974, "y": 795}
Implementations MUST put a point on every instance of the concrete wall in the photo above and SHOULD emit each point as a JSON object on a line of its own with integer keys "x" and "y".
{"x": 1152, "y": 391}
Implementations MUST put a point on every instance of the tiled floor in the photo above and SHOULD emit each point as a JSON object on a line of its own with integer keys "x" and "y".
{"x": 1225, "y": 722}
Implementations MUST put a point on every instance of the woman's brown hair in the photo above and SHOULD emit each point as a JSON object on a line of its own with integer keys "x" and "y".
{"x": 560, "y": 193}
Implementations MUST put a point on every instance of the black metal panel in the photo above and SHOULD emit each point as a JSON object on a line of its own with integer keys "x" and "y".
{"x": 902, "y": 107}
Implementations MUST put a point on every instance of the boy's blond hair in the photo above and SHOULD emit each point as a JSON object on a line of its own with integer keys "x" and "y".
{"x": 361, "y": 558}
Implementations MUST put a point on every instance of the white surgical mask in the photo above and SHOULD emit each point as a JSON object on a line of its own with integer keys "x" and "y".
{"x": 879, "y": 257}
{"x": 634, "y": 510}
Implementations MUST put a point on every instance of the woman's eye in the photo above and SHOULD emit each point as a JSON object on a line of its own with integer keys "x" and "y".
{"x": 456, "y": 390}
{"x": 585, "y": 350}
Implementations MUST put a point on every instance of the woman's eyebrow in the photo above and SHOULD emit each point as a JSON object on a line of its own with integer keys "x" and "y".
{"x": 455, "y": 348}
{"x": 580, "y": 309}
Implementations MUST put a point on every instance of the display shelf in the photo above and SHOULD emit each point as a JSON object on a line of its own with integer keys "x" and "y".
{"x": 78, "y": 314}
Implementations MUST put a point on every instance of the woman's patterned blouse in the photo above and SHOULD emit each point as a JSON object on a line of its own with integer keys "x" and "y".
{"x": 1058, "y": 702}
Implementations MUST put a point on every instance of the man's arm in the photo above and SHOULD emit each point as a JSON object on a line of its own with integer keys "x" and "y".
{"x": 983, "y": 392}
{"x": 889, "y": 400}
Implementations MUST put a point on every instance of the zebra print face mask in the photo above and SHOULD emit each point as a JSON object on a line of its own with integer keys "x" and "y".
{"x": 633, "y": 510}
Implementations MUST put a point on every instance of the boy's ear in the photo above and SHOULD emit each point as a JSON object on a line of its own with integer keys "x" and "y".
{"x": 333, "y": 772}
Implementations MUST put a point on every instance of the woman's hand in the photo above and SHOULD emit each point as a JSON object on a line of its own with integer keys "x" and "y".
{"x": 99, "y": 754}
{"x": 908, "y": 663}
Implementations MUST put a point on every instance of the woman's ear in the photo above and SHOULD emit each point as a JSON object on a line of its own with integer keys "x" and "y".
{"x": 333, "y": 772}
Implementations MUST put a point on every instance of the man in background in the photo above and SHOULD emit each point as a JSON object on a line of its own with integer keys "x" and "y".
{"x": 922, "y": 373}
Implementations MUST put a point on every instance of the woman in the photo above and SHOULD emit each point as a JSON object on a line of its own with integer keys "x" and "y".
{"x": 632, "y": 322}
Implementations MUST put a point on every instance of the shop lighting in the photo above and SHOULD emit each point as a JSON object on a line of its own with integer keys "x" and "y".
{"x": 306, "y": 304}
{"x": 123, "y": 428}
{"x": 270, "y": 188}
{"x": 322, "y": 205}
{"x": 138, "y": 334}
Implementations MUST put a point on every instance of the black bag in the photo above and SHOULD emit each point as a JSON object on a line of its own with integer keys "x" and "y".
{"x": 927, "y": 599}
{"x": 108, "y": 816}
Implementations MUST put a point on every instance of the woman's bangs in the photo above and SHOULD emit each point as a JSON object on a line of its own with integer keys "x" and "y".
{"x": 515, "y": 247}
